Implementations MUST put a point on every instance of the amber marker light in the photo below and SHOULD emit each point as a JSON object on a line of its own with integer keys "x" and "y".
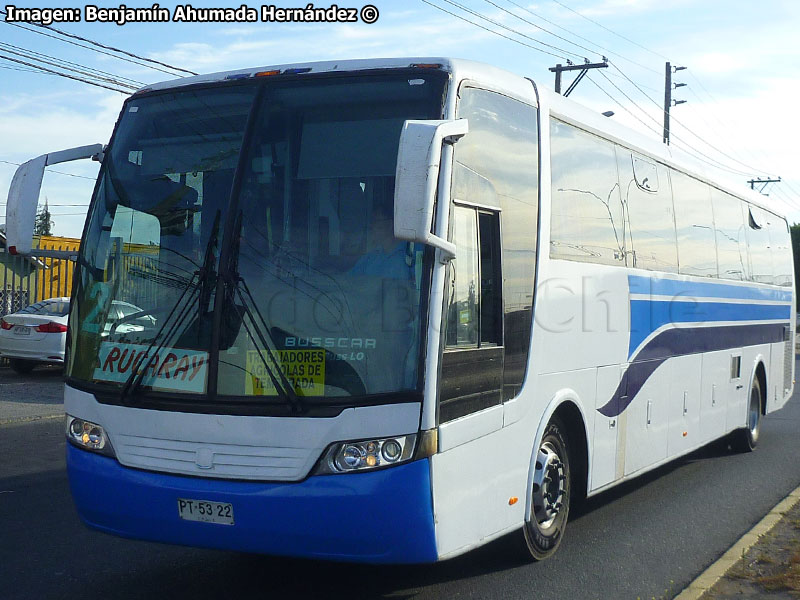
{"x": 513, "y": 500}
{"x": 267, "y": 73}
{"x": 427, "y": 65}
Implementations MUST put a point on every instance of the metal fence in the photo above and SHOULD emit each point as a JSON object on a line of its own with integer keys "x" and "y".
{"x": 25, "y": 280}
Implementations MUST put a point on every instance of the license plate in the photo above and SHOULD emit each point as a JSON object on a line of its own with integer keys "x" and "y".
{"x": 21, "y": 330}
{"x": 205, "y": 511}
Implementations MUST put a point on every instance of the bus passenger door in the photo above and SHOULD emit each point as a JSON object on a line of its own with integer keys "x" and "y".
{"x": 472, "y": 363}
{"x": 465, "y": 483}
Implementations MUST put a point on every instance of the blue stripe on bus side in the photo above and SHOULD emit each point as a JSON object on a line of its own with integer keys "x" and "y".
{"x": 676, "y": 288}
{"x": 682, "y": 341}
{"x": 648, "y": 315}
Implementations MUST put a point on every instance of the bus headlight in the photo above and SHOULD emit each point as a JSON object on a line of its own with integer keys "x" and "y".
{"x": 346, "y": 457}
{"x": 88, "y": 436}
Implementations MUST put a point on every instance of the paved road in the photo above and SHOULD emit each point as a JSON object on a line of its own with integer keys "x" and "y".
{"x": 37, "y": 395}
{"x": 646, "y": 539}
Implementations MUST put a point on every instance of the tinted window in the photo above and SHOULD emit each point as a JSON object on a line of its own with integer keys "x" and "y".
{"x": 694, "y": 221}
{"x": 586, "y": 221}
{"x": 47, "y": 308}
{"x": 781, "y": 243}
{"x": 462, "y": 315}
{"x": 731, "y": 241}
{"x": 650, "y": 212}
{"x": 502, "y": 149}
{"x": 758, "y": 244}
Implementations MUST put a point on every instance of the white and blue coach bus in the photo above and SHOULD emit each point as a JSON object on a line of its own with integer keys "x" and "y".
{"x": 389, "y": 310}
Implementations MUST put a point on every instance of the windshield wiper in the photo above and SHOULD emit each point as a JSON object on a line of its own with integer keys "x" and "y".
{"x": 204, "y": 275}
{"x": 283, "y": 386}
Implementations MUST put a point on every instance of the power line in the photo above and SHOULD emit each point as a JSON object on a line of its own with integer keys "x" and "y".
{"x": 112, "y": 48}
{"x": 603, "y": 49}
{"x": 610, "y": 30}
{"x": 59, "y": 65}
{"x": 140, "y": 64}
{"x": 709, "y": 144}
{"x": 539, "y": 27}
{"x": 104, "y": 46}
{"x": 22, "y": 62}
{"x": 8, "y": 162}
{"x": 686, "y": 145}
{"x": 119, "y": 78}
{"x": 22, "y": 69}
{"x": 521, "y": 43}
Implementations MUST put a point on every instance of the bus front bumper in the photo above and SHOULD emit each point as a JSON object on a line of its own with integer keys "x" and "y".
{"x": 380, "y": 517}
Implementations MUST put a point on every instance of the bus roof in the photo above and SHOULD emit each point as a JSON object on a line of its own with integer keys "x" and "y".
{"x": 514, "y": 85}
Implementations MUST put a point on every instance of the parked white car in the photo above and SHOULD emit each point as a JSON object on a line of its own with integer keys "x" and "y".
{"x": 36, "y": 334}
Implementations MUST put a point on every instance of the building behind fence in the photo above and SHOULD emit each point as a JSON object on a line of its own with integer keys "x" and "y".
{"x": 25, "y": 280}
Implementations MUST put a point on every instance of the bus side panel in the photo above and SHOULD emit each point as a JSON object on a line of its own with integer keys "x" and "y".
{"x": 472, "y": 483}
{"x": 475, "y": 483}
{"x": 647, "y": 423}
{"x": 713, "y": 410}
{"x": 776, "y": 392}
{"x": 684, "y": 404}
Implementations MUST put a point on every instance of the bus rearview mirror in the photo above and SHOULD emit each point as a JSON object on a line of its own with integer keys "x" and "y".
{"x": 418, "y": 163}
{"x": 23, "y": 194}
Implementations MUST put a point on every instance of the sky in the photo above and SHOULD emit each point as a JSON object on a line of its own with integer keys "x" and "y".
{"x": 742, "y": 61}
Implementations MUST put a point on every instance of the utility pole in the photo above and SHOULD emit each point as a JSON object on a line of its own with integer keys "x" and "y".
{"x": 766, "y": 182}
{"x": 584, "y": 68}
{"x": 668, "y": 101}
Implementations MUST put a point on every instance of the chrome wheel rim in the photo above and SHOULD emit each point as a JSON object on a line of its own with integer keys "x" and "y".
{"x": 549, "y": 486}
{"x": 754, "y": 414}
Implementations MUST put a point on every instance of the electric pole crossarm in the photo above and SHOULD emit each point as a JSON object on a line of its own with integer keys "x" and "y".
{"x": 766, "y": 182}
{"x": 584, "y": 68}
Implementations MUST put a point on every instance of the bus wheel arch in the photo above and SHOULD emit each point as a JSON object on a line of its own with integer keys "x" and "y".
{"x": 558, "y": 477}
{"x": 746, "y": 438}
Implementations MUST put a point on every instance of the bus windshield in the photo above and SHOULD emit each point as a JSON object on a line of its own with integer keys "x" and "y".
{"x": 240, "y": 245}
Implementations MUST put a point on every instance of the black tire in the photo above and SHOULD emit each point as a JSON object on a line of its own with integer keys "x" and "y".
{"x": 551, "y": 494}
{"x": 746, "y": 439}
{"x": 22, "y": 366}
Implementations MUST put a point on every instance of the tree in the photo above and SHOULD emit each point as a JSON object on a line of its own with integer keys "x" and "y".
{"x": 44, "y": 223}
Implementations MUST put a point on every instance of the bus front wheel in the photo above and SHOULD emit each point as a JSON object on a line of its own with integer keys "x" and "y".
{"x": 550, "y": 494}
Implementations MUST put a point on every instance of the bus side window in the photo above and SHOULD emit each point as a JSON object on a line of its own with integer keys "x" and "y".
{"x": 462, "y": 312}
{"x": 694, "y": 221}
{"x": 758, "y": 244}
{"x": 473, "y": 317}
{"x": 646, "y": 193}
{"x": 781, "y": 244}
{"x": 473, "y": 358}
{"x": 729, "y": 226}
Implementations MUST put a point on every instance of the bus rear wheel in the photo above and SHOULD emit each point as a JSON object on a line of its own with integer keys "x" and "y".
{"x": 550, "y": 494}
{"x": 746, "y": 439}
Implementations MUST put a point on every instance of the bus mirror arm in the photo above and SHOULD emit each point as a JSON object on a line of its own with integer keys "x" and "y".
{"x": 416, "y": 182}
{"x": 23, "y": 194}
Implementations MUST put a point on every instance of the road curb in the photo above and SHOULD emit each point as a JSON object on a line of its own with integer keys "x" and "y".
{"x": 21, "y": 420}
{"x": 716, "y": 571}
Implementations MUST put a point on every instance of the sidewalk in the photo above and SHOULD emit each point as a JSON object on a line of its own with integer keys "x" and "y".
{"x": 764, "y": 563}
{"x": 37, "y": 395}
